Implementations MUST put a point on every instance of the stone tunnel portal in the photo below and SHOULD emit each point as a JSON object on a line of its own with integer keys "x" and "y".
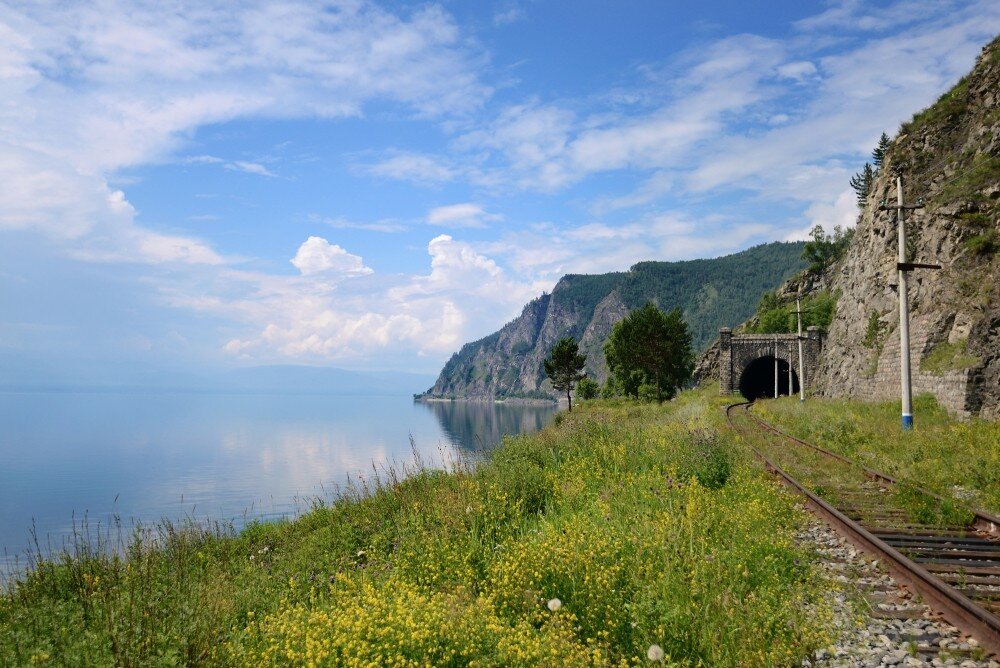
{"x": 746, "y": 362}
{"x": 757, "y": 379}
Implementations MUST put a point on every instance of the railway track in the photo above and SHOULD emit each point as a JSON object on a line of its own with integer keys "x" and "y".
{"x": 950, "y": 556}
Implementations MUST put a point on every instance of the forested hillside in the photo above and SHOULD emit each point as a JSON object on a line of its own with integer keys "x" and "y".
{"x": 711, "y": 293}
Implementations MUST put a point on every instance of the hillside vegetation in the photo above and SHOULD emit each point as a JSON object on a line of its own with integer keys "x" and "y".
{"x": 719, "y": 292}
{"x": 620, "y": 528}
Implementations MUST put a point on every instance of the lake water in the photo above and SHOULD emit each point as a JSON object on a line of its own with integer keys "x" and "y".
{"x": 64, "y": 457}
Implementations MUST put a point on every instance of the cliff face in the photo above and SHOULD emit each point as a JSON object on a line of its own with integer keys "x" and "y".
{"x": 949, "y": 155}
{"x": 711, "y": 293}
{"x": 509, "y": 362}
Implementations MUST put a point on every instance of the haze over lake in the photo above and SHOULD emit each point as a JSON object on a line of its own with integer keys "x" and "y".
{"x": 208, "y": 455}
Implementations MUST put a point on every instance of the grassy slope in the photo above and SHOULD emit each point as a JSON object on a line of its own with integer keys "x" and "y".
{"x": 643, "y": 521}
{"x": 952, "y": 458}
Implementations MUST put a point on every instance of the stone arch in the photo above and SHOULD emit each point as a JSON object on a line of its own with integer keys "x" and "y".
{"x": 740, "y": 368}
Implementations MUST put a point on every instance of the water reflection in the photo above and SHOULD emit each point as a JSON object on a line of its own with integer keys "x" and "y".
{"x": 220, "y": 457}
{"x": 475, "y": 425}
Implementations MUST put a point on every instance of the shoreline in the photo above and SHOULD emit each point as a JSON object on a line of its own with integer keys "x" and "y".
{"x": 517, "y": 401}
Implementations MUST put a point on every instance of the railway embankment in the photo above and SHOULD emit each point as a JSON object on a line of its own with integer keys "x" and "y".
{"x": 942, "y": 546}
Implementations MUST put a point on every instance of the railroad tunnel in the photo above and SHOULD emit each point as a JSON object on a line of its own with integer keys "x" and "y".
{"x": 757, "y": 379}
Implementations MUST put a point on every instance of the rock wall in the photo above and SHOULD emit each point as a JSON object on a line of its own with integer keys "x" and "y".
{"x": 948, "y": 155}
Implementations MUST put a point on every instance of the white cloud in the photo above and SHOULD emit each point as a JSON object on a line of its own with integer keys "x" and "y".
{"x": 316, "y": 255}
{"x": 508, "y": 15}
{"x": 464, "y": 295}
{"x": 407, "y": 166}
{"x": 841, "y": 211}
{"x": 203, "y": 160}
{"x": 171, "y": 248}
{"x": 461, "y": 215}
{"x": 386, "y": 226}
{"x": 92, "y": 89}
{"x": 856, "y": 15}
{"x": 798, "y": 70}
{"x": 250, "y": 168}
{"x": 539, "y": 146}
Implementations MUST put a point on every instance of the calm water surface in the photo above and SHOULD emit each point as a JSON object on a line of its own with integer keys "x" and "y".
{"x": 147, "y": 457}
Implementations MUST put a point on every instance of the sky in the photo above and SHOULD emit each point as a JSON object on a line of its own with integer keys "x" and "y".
{"x": 196, "y": 186}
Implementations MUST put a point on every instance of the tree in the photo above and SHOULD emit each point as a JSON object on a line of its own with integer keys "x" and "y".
{"x": 862, "y": 183}
{"x": 564, "y": 367}
{"x": 823, "y": 249}
{"x": 650, "y": 347}
{"x": 878, "y": 154}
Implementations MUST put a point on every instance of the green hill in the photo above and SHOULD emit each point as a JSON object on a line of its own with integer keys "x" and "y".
{"x": 712, "y": 293}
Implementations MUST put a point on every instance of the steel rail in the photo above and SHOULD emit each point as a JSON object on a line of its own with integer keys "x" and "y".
{"x": 984, "y": 521}
{"x": 958, "y": 609}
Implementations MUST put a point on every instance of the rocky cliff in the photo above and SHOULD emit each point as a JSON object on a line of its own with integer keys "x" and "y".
{"x": 949, "y": 156}
{"x": 711, "y": 293}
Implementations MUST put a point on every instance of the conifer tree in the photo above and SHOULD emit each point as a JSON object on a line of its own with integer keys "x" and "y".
{"x": 564, "y": 367}
{"x": 650, "y": 347}
{"x": 862, "y": 183}
{"x": 878, "y": 154}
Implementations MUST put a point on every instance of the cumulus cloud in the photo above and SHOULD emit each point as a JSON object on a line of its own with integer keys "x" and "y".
{"x": 841, "y": 211}
{"x": 306, "y": 317}
{"x": 316, "y": 255}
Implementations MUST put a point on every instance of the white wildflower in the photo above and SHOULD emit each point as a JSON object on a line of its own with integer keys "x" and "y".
{"x": 654, "y": 653}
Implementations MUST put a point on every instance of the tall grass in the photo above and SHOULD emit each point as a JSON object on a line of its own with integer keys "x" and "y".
{"x": 955, "y": 458}
{"x": 621, "y": 528}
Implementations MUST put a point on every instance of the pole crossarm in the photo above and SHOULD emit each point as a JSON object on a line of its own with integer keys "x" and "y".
{"x": 910, "y": 266}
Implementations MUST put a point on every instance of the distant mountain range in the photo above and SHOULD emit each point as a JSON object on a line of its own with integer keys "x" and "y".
{"x": 283, "y": 379}
{"x": 712, "y": 293}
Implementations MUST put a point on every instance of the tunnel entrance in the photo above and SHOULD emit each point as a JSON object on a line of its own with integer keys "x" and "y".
{"x": 757, "y": 379}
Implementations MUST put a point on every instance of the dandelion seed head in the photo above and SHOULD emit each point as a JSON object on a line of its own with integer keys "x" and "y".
{"x": 554, "y": 604}
{"x": 654, "y": 653}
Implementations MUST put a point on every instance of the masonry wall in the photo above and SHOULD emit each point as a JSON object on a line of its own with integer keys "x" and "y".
{"x": 737, "y": 351}
{"x": 879, "y": 379}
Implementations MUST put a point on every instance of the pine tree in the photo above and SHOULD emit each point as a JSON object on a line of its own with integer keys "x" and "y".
{"x": 878, "y": 154}
{"x": 650, "y": 348}
{"x": 862, "y": 183}
{"x": 564, "y": 367}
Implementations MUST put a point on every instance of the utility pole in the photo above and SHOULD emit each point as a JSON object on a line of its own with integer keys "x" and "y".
{"x": 802, "y": 376}
{"x": 775, "y": 367}
{"x": 790, "y": 384}
{"x": 903, "y": 267}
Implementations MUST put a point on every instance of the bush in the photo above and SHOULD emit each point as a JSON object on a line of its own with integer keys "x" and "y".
{"x": 587, "y": 389}
{"x": 984, "y": 245}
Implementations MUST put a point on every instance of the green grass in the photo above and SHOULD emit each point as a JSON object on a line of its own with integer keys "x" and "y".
{"x": 948, "y": 109}
{"x": 957, "y": 459}
{"x": 945, "y": 357}
{"x": 646, "y": 523}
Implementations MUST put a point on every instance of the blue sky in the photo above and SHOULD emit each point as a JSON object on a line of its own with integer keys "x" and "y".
{"x": 193, "y": 187}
